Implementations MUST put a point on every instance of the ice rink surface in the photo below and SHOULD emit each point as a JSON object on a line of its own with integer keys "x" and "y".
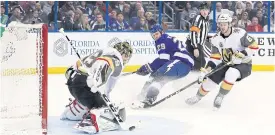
{"x": 247, "y": 110}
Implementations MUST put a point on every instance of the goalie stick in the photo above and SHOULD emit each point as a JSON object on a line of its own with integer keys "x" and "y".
{"x": 187, "y": 86}
{"x": 110, "y": 105}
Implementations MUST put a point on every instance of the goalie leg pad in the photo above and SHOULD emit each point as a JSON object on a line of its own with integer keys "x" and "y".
{"x": 74, "y": 111}
{"x": 105, "y": 112}
{"x": 105, "y": 119}
{"x": 102, "y": 120}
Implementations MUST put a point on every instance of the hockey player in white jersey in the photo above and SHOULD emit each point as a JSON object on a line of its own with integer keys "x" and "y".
{"x": 232, "y": 45}
{"x": 87, "y": 82}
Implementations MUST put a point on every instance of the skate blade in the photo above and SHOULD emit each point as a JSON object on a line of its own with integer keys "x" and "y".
{"x": 215, "y": 109}
{"x": 85, "y": 129}
{"x": 135, "y": 106}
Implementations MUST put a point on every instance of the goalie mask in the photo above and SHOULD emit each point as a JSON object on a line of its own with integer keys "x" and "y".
{"x": 126, "y": 51}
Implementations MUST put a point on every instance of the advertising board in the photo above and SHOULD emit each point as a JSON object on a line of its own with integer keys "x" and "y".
{"x": 61, "y": 55}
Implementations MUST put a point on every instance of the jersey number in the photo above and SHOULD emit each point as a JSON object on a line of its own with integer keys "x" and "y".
{"x": 249, "y": 39}
{"x": 89, "y": 60}
{"x": 161, "y": 46}
{"x": 176, "y": 41}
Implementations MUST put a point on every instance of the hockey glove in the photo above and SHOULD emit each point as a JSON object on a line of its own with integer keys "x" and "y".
{"x": 237, "y": 57}
{"x": 203, "y": 72}
{"x": 91, "y": 82}
{"x": 144, "y": 70}
{"x": 196, "y": 52}
{"x": 69, "y": 72}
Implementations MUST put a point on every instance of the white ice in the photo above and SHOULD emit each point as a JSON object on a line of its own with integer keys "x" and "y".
{"x": 247, "y": 110}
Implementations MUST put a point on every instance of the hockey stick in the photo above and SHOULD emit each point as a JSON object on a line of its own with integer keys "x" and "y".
{"x": 111, "y": 107}
{"x": 187, "y": 86}
{"x": 63, "y": 33}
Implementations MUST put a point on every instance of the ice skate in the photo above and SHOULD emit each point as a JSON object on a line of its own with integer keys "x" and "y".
{"x": 218, "y": 101}
{"x": 137, "y": 104}
{"x": 86, "y": 126}
{"x": 142, "y": 104}
{"x": 193, "y": 100}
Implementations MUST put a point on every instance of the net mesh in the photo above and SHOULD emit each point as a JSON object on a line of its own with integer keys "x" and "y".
{"x": 21, "y": 80}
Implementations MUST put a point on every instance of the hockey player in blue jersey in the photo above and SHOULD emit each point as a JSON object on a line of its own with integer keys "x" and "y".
{"x": 174, "y": 62}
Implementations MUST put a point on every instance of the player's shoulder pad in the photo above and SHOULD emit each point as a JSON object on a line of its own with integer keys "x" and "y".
{"x": 171, "y": 39}
{"x": 108, "y": 60}
{"x": 238, "y": 31}
{"x": 215, "y": 39}
{"x": 118, "y": 65}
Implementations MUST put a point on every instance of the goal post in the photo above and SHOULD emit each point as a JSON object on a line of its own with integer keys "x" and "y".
{"x": 24, "y": 79}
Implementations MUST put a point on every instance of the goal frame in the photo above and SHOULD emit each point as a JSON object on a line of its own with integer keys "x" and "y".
{"x": 44, "y": 122}
{"x": 43, "y": 100}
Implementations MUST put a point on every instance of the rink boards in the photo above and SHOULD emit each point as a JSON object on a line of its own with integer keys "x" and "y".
{"x": 61, "y": 55}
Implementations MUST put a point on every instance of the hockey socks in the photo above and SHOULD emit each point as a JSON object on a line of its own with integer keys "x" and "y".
{"x": 224, "y": 90}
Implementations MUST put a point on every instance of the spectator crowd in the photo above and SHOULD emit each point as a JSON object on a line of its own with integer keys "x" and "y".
{"x": 252, "y": 16}
{"x": 121, "y": 16}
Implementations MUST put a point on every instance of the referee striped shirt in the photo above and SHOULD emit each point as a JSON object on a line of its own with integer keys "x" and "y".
{"x": 198, "y": 34}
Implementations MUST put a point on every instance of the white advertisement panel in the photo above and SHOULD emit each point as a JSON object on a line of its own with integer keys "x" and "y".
{"x": 62, "y": 55}
{"x": 266, "y": 52}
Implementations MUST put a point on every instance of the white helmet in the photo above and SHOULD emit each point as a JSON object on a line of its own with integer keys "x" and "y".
{"x": 224, "y": 18}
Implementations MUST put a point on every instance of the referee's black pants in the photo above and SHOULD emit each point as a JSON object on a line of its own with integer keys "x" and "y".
{"x": 199, "y": 61}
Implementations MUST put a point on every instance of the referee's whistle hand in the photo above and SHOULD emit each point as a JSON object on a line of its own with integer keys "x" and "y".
{"x": 196, "y": 53}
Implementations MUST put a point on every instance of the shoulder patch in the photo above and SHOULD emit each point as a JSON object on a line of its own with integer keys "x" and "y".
{"x": 236, "y": 30}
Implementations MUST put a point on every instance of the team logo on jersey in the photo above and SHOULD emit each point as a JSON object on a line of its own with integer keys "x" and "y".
{"x": 60, "y": 47}
{"x": 227, "y": 54}
{"x": 236, "y": 30}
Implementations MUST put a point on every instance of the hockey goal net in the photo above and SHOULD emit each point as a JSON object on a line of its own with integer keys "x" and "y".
{"x": 23, "y": 93}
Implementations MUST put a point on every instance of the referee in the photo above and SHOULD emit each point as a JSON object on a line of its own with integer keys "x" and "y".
{"x": 198, "y": 34}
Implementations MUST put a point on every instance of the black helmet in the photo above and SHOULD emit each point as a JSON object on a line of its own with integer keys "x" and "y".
{"x": 203, "y": 6}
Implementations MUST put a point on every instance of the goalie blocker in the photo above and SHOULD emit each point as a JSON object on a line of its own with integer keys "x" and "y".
{"x": 85, "y": 84}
